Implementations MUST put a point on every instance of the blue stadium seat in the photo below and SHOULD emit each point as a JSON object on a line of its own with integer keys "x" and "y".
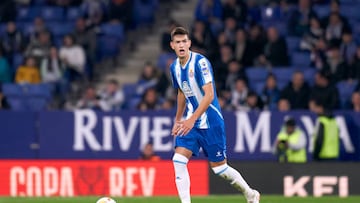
{"x": 108, "y": 47}
{"x": 280, "y": 26}
{"x": 12, "y": 90}
{"x": 283, "y": 74}
{"x": 309, "y": 75}
{"x": 73, "y": 13}
{"x": 144, "y": 11}
{"x": 36, "y": 104}
{"x": 293, "y": 43}
{"x": 301, "y": 59}
{"x": 345, "y": 89}
{"x": 256, "y": 73}
{"x": 52, "y": 13}
{"x": 163, "y": 58}
{"x": 61, "y": 29}
{"x": 113, "y": 30}
{"x": 39, "y": 90}
{"x": 132, "y": 103}
{"x": 27, "y": 13}
{"x": 258, "y": 86}
{"x": 17, "y": 59}
{"x": 322, "y": 10}
{"x": 129, "y": 90}
{"x": 17, "y": 103}
{"x": 26, "y": 27}
{"x": 351, "y": 11}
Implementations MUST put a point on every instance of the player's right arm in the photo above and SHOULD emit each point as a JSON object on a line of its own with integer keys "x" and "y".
{"x": 181, "y": 105}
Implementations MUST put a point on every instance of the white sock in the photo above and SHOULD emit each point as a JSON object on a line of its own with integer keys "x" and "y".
{"x": 182, "y": 178}
{"x": 234, "y": 177}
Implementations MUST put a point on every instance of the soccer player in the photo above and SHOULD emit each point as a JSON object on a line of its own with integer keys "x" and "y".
{"x": 203, "y": 125}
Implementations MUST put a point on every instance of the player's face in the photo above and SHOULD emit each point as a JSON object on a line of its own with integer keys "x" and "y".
{"x": 181, "y": 45}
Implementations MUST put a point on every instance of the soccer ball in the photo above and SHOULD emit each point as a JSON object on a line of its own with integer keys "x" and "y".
{"x": 105, "y": 200}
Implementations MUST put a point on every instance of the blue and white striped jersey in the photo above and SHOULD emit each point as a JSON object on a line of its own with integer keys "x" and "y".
{"x": 196, "y": 73}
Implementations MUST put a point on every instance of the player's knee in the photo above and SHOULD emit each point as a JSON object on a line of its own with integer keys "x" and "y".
{"x": 220, "y": 169}
{"x": 180, "y": 159}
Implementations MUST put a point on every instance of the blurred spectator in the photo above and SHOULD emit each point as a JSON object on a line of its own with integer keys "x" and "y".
{"x": 335, "y": 8}
{"x": 112, "y": 96}
{"x": 148, "y": 154}
{"x": 90, "y": 100}
{"x": 86, "y": 38}
{"x": 166, "y": 36}
{"x": 149, "y": 78}
{"x": 3, "y": 101}
{"x": 242, "y": 48}
{"x": 334, "y": 28}
{"x": 235, "y": 9}
{"x": 40, "y": 47}
{"x": 168, "y": 104}
{"x": 257, "y": 42}
{"x": 12, "y": 41}
{"x": 348, "y": 47}
{"x": 121, "y": 11}
{"x": 300, "y": 18}
{"x": 253, "y": 11}
{"x": 290, "y": 144}
{"x": 149, "y": 101}
{"x": 5, "y": 71}
{"x": 336, "y": 66}
{"x": 226, "y": 56}
{"x": 164, "y": 82}
{"x": 312, "y": 36}
{"x": 39, "y": 26}
{"x": 73, "y": 57}
{"x": 326, "y": 144}
{"x": 64, "y": 3}
{"x": 51, "y": 67}
{"x": 7, "y": 10}
{"x": 28, "y": 73}
{"x": 355, "y": 101}
{"x": 202, "y": 38}
{"x": 297, "y": 92}
{"x": 252, "y": 103}
{"x": 235, "y": 70}
{"x": 275, "y": 51}
{"x": 318, "y": 54}
{"x": 283, "y": 105}
{"x": 230, "y": 26}
{"x": 239, "y": 94}
{"x": 94, "y": 11}
{"x": 323, "y": 92}
{"x": 270, "y": 94}
{"x": 355, "y": 67}
{"x": 210, "y": 12}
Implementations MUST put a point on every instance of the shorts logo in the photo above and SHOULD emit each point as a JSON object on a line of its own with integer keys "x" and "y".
{"x": 218, "y": 154}
{"x": 186, "y": 89}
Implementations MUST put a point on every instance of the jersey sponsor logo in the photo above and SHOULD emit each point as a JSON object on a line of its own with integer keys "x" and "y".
{"x": 186, "y": 89}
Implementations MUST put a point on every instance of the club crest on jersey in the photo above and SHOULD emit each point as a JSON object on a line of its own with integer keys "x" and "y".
{"x": 191, "y": 73}
{"x": 186, "y": 89}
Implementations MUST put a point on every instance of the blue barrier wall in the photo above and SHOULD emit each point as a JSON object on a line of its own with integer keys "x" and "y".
{"x": 93, "y": 135}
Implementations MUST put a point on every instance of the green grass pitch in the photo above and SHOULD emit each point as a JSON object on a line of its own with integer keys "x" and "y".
{"x": 208, "y": 199}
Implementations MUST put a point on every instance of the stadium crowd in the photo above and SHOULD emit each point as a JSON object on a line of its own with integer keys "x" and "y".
{"x": 275, "y": 55}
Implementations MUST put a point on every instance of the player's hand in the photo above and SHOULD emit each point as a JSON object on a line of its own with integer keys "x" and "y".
{"x": 186, "y": 126}
{"x": 176, "y": 128}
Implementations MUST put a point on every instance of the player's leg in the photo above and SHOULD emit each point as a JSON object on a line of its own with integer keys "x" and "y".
{"x": 185, "y": 147}
{"x": 214, "y": 147}
{"x": 234, "y": 177}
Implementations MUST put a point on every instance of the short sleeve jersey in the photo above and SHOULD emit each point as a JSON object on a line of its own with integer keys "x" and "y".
{"x": 190, "y": 79}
